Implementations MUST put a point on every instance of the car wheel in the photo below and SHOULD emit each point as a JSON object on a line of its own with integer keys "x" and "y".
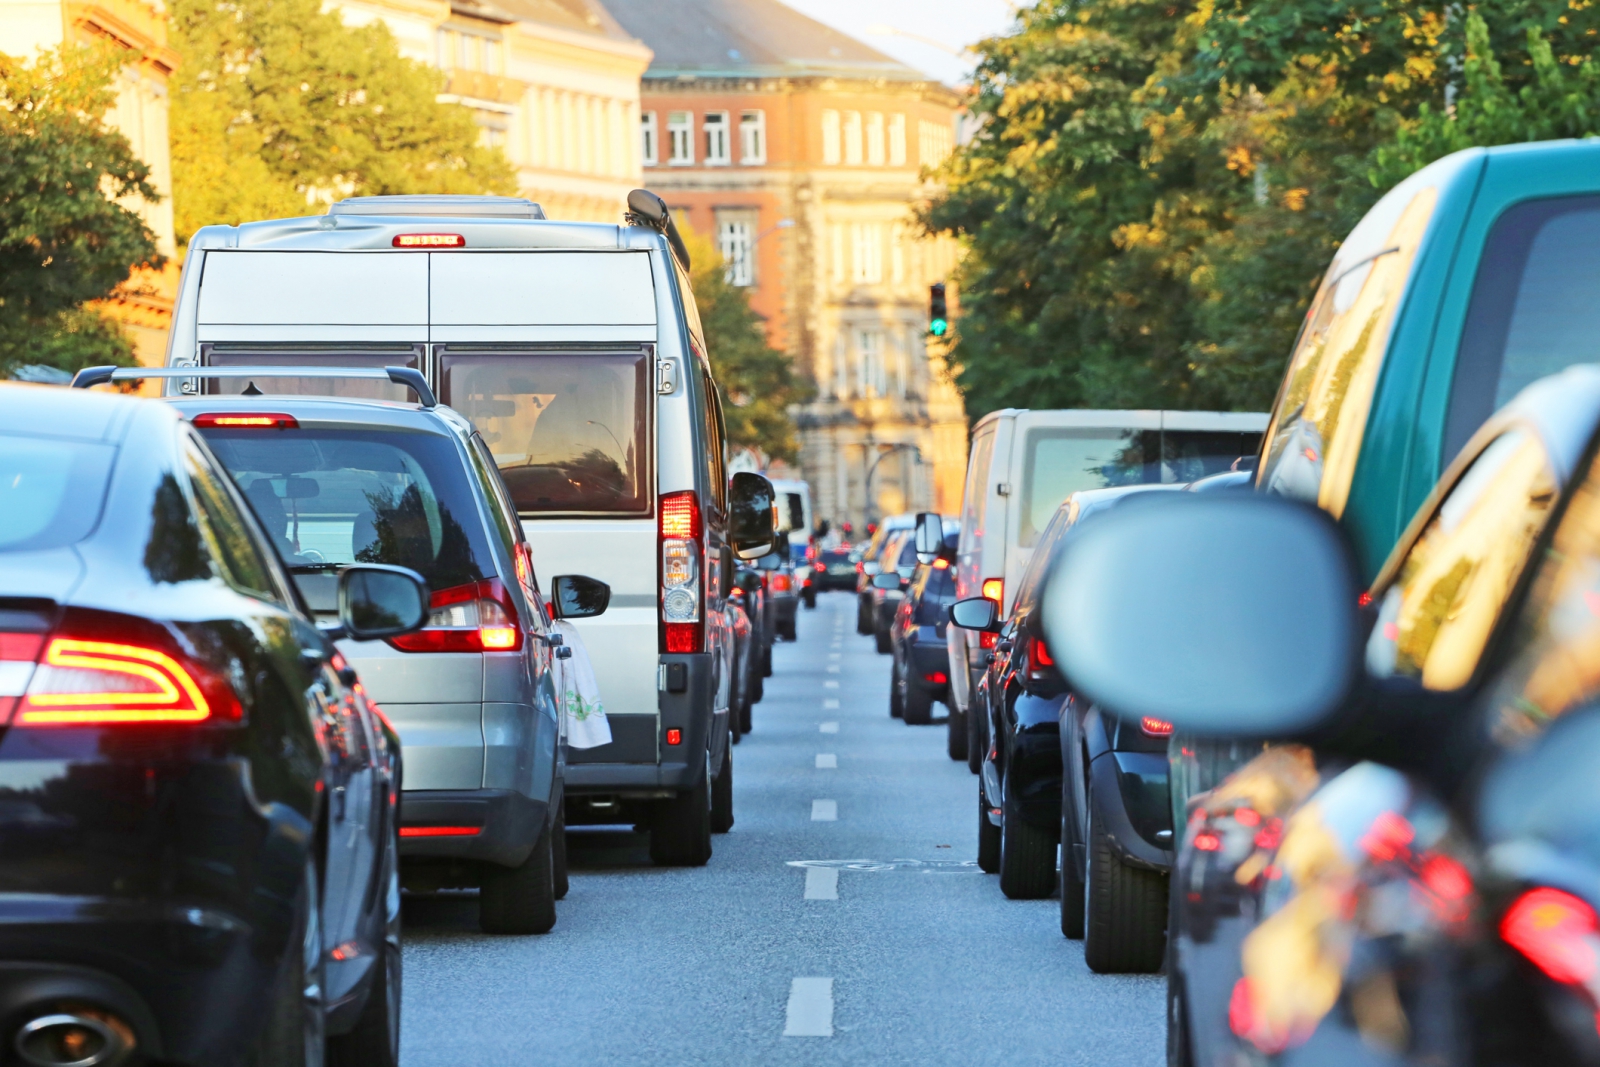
{"x": 1124, "y": 908}
{"x": 1027, "y": 854}
{"x": 375, "y": 1040}
{"x": 955, "y": 742}
{"x": 1180, "y": 1052}
{"x": 766, "y": 662}
{"x": 520, "y": 899}
{"x": 975, "y": 732}
{"x": 722, "y": 797}
{"x": 295, "y": 1034}
{"x": 917, "y": 704}
{"x": 680, "y": 829}
{"x": 988, "y": 837}
{"x": 558, "y": 844}
{"x": 863, "y": 616}
{"x": 1071, "y": 875}
{"x": 811, "y": 599}
{"x": 746, "y": 718}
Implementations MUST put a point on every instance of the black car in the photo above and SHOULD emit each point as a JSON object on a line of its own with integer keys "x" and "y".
{"x": 921, "y": 664}
{"x": 899, "y": 559}
{"x": 1411, "y": 874}
{"x": 198, "y": 820}
{"x": 834, "y": 569}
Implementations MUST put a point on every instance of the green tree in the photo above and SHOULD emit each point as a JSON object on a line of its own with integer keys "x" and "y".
{"x": 66, "y": 234}
{"x": 757, "y": 381}
{"x": 280, "y": 108}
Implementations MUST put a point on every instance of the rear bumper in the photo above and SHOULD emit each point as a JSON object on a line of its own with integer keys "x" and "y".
{"x": 784, "y": 607}
{"x": 507, "y": 824}
{"x": 1131, "y": 791}
{"x": 923, "y": 659}
{"x": 641, "y": 765}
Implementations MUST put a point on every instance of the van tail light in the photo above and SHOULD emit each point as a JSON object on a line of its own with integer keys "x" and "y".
{"x": 778, "y": 582}
{"x": 682, "y": 628}
{"x": 988, "y": 640}
{"x": 100, "y": 669}
{"x": 476, "y": 617}
{"x": 1557, "y": 932}
{"x": 994, "y": 589}
{"x": 1155, "y": 727}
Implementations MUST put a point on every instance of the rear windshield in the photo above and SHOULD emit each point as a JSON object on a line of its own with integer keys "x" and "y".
{"x": 332, "y": 497}
{"x": 570, "y": 433}
{"x": 1060, "y": 461}
{"x": 50, "y": 491}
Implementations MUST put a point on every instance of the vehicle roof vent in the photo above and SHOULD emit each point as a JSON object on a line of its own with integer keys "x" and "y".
{"x": 456, "y": 207}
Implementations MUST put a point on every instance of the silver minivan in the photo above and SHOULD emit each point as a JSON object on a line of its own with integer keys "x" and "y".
{"x": 576, "y": 351}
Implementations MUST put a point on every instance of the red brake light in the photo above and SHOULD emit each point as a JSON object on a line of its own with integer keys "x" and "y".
{"x": 245, "y": 420}
{"x": 1206, "y": 841}
{"x": 476, "y": 617}
{"x": 988, "y": 640}
{"x": 937, "y": 678}
{"x": 674, "y": 736}
{"x": 778, "y": 582}
{"x": 1155, "y": 727}
{"x": 682, "y": 629}
{"x": 1364, "y": 600}
{"x": 680, "y": 516}
{"x": 429, "y": 240}
{"x": 940, "y": 564}
{"x": 1041, "y": 656}
{"x": 994, "y": 589}
{"x": 440, "y": 831}
{"x": 1555, "y": 930}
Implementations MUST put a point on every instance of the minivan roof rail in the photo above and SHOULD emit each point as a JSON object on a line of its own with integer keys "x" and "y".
{"x": 441, "y": 206}
{"x": 409, "y": 377}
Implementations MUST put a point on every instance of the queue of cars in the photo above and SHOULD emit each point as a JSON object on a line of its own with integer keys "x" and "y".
{"x": 362, "y": 461}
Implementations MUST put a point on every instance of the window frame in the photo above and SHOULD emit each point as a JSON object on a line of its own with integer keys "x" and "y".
{"x": 716, "y": 126}
{"x": 649, "y": 140}
{"x": 752, "y": 131}
{"x": 680, "y": 130}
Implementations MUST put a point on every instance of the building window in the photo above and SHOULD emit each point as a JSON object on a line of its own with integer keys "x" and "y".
{"x": 459, "y": 49}
{"x": 897, "y": 140}
{"x": 718, "y": 152}
{"x": 866, "y": 253}
{"x": 852, "y": 138}
{"x": 897, "y": 254}
{"x": 933, "y": 143}
{"x": 870, "y": 371}
{"x": 875, "y": 153}
{"x": 649, "y": 140}
{"x": 680, "y": 138}
{"x": 830, "y": 136}
{"x": 836, "y": 249}
{"x": 752, "y": 137}
{"x": 736, "y": 239}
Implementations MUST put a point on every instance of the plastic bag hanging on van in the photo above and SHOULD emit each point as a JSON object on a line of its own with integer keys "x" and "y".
{"x": 587, "y": 726}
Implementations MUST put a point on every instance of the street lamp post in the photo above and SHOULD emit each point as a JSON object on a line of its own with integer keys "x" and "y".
{"x": 882, "y": 454}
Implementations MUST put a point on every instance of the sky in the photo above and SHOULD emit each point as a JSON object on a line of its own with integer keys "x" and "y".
{"x": 950, "y": 25}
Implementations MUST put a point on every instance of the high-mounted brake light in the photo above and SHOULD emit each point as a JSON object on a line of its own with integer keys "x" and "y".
{"x": 429, "y": 240}
{"x": 440, "y": 831}
{"x": 86, "y": 682}
{"x": 1155, "y": 727}
{"x": 994, "y": 589}
{"x": 680, "y": 530}
{"x": 245, "y": 420}
{"x": 476, "y": 617}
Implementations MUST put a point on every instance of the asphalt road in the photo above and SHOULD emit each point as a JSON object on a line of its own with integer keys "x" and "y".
{"x": 918, "y": 960}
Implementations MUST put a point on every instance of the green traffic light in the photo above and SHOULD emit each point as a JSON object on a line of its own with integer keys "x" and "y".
{"x": 938, "y": 327}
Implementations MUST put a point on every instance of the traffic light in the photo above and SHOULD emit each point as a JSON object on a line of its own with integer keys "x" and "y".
{"x": 938, "y": 313}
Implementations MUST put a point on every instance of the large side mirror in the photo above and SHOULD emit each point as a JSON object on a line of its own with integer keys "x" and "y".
{"x": 751, "y": 521}
{"x": 1224, "y": 615}
{"x": 976, "y": 613}
{"x": 887, "y": 580}
{"x": 930, "y": 536}
{"x": 377, "y": 600}
{"x": 577, "y": 596}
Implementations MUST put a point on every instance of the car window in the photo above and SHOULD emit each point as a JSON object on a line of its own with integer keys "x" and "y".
{"x": 231, "y": 537}
{"x": 1039, "y": 564}
{"x": 1320, "y": 418}
{"x": 976, "y": 498}
{"x": 505, "y": 523}
{"x": 908, "y": 552}
{"x": 1435, "y": 619}
{"x": 937, "y": 594}
{"x": 715, "y": 437}
{"x": 1532, "y": 312}
{"x": 51, "y": 490}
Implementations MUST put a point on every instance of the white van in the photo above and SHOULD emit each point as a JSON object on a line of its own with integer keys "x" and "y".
{"x": 1024, "y": 463}
{"x": 576, "y": 351}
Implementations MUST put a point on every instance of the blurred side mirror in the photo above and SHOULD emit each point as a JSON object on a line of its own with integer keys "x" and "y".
{"x": 1224, "y": 615}
{"x": 749, "y": 581}
{"x": 976, "y": 613}
{"x": 752, "y": 521}
{"x": 577, "y": 596}
{"x": 376, "y": 600}
{"x": 930, "y": 536}
{"x": 886, "y": 580}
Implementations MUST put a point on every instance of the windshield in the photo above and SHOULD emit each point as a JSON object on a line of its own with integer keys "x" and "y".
{"x": 50, "y": 490}
{"x": 332, "y": 497}
{"x": 569, "y": 432}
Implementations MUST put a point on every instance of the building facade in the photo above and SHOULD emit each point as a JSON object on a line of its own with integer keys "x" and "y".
{"x": 801, "y": 151}
{"x": 553, "y": 83}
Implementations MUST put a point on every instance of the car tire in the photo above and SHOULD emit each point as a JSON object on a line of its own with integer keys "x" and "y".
{"x": 766, "y": 662}
{"x": 520, "y": 899}
{"x": 1180, "y": 1053}
{"x": 917, "y": 705}
{"x": 1124, "y": 908}
{"x": 722, "y": 796}
{"x": 1071, "y": 877}
{"x": 1027, "y": 854}
{"x": 955, "y": 742}
{"x": 746, "y": 715}
{"x": 975, "y": 745}
{"x": 896, "y": 697}
{"x": 881, "y": 640}
{"x": 988, "y": 837}
{"x": 558, "y": 844}
{"x": 863, "y": 616}
{"x": 680, "y": 828}
{"x": 375, "y": 1039}
{"x": 295, "y": 1034}
{"x": 811, "y": 599}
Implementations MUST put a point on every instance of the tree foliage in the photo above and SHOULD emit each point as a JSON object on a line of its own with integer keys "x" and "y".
{"x": 67, "y": 236}
{"x": 280, "y": 105}
{"x": 1157, "y": 185}
{"x": 757, "y": 381}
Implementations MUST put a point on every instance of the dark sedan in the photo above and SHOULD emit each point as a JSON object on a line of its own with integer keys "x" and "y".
{"x": 834, "y": 569}
{"x": 198, "y": 848}
{"x": 919, "y": 675}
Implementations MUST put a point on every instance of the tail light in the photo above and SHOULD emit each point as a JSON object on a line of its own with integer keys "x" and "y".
{"x": 100, "y": 669}
{"x": 988, "y": 640}
{"x": 1557, "y": 932}
{"x": 994, "y": 589}
{"x": 1155, "y": 727}
{"x": 680, "y": 531}
{"x": 778, "y": 582}
{"x": 940, "y": 564}
{"x": 476, "y": 617}
{"x": 811, "y": 552}
{"x": 245, "y": 420}
{"x": 936, "y": 677}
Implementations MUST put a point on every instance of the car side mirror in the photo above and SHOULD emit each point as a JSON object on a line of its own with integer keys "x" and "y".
{"x": 930, "y": 536}
{"x": 1223, "y": 615}
{"x": 377, "y": 600}
{"x": 577, "y": 596}
{"x": 752, "y": 519}
{"x": 976, "y": 613}
{"x": 886, "y": 580}
{"x": 748, "y": 581}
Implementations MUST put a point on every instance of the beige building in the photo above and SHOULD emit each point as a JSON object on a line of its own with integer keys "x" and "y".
{"x": 554, "y": 83}
{"x": 803, "y": 150}
{"x": 144, "y": 305}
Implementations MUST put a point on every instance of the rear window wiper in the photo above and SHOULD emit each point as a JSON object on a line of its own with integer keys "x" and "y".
{"x": 308, "y": 568}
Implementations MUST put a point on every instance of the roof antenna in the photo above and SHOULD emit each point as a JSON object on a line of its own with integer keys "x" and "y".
{"x": 251, "y": 390}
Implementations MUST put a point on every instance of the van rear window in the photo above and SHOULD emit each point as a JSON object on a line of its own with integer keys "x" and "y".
{"x": 569, "y": 432}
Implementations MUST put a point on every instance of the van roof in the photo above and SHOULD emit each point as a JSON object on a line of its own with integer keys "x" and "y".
{"x": 465, "y": 207}
{"x": 1143, "y": 418}
{"x": 360, "y": 229}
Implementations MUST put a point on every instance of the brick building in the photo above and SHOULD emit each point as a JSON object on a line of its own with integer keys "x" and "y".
{"x": 802, "y": 150}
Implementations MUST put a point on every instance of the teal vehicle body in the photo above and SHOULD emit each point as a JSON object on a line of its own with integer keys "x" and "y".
{"x": 1473, "y": 277}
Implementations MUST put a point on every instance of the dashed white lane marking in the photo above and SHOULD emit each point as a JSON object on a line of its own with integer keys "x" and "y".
{"x": 829, "y": 728}
{"x": 831, "y": 683}
{"x": 810, "y": 1012}
{"x": 833, "y": 668}
{"x": 824, "y": 811}
{"x": 822, "y": 883}
{"x": 833, "y": 655}
{"x": 827, "y": 761}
